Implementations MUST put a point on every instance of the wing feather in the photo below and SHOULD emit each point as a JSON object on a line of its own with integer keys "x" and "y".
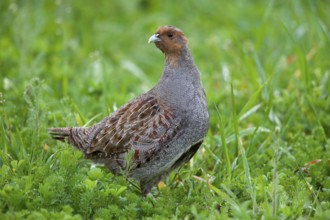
{"x": 144, "y": 125}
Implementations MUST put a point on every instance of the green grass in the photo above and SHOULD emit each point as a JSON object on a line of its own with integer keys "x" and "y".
{"x": 266, "y": 71}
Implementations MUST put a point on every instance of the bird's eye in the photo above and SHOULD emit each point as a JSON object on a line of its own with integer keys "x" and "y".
{"x": 170, "y": 34}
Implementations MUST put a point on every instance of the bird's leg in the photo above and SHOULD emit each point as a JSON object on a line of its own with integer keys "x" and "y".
{"x": 145, "y": 187}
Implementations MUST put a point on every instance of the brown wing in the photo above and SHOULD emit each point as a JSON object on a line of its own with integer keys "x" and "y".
{"x": 144, "y": 125}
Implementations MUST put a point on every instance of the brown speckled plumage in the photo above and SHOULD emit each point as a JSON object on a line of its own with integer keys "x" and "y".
{"x": 163, "y": 128}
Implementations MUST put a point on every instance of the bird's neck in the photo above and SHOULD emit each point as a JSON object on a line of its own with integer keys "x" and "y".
{"x": 180, "y": 83}
{"x": 180, "y": 61}
{"x": 180, "y": 73}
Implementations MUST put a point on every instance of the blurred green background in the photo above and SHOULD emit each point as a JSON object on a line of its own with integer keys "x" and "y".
{"x": 265, "y": 68}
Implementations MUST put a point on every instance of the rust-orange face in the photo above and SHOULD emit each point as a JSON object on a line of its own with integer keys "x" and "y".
{"x": 169, "y": 39}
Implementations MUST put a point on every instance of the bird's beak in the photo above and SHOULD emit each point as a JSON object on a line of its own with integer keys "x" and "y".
{"x": 154, "y": 38}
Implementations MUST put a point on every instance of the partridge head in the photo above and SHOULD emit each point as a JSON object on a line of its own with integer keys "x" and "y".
{"x": 162, "y": 128}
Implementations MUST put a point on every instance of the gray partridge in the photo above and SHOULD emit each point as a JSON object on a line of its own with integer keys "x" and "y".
{"x": 162, "y": 128}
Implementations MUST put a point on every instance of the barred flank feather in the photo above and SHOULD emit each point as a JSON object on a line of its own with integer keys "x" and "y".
{"x": 75, "y": 136}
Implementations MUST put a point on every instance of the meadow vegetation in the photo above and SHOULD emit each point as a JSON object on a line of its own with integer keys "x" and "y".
{"x": 266, "y": 71}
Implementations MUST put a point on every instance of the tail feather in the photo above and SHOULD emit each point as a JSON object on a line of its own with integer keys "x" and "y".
{"x": 76, "y": 136}
{"x": 61, "y": 134}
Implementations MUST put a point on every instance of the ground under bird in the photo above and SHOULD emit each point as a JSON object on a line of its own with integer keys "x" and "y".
{"x": 162, "y": 128}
